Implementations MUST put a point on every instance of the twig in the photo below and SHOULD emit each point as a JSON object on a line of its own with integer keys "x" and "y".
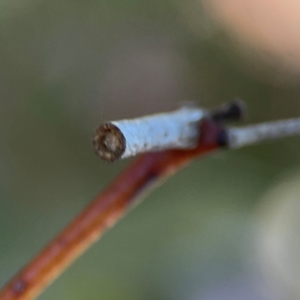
{"x": 178, "y": 129}
{"x": 254, "y": 134}
{"x": 148, "y": 170}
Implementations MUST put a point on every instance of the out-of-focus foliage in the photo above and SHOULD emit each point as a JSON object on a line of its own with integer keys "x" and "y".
{"x": 65, "y": 66}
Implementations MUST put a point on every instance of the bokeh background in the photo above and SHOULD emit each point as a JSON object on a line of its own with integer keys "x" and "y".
{"x": 226, "y": 227}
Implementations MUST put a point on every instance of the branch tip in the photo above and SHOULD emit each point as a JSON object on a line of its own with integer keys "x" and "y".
{"x": 178, "y": 129}
{"x": 109, "y": 142}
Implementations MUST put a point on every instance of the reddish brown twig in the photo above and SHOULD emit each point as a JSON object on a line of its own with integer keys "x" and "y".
{"x": 103, "y": 212}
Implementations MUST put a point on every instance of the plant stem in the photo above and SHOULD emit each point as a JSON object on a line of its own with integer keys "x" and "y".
{"x": 147, "y": 171}
{"x": 109, "y": 206}
{"x": 177, "y": 129}
{"x": 254, "y": 134}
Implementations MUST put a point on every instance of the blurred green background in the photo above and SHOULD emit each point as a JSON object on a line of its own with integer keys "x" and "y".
{"x": 66, "y": 66}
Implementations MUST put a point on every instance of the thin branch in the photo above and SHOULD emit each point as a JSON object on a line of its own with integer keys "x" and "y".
{"x": 177, "y": 129}
{"x": 254, "y": 134}
{"x": 147, "y": 171}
